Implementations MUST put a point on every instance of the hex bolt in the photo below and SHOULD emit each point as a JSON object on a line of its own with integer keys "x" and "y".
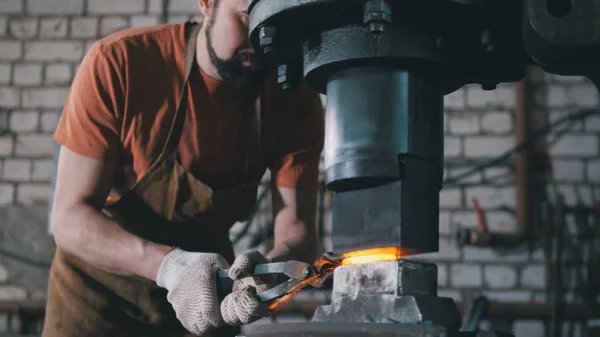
{"x": 377, "y": 13}
{"x": 283, "y": 76}
{"x": 266, "y": 38}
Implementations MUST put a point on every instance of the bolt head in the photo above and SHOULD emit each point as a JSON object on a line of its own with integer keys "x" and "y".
{"x": 266, "y": 35}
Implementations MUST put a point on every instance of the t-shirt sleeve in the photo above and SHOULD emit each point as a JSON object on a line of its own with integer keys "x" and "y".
{"x": 295, "y": 161}
{"x": 90, "y": 122}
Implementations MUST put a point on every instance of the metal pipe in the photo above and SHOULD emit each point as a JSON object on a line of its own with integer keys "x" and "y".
{"x": 523, "y": 193}
{"x": 559, "y": 222}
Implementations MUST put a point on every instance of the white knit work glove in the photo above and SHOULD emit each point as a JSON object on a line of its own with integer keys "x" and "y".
{"x": 191, "y": 281}
{"x": 242, "y": 306}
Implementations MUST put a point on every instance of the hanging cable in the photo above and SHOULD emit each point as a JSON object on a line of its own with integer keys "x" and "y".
{"x": 538, "y": 134}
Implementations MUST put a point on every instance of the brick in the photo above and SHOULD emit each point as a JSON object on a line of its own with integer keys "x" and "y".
{"x": 456, "y": 171}
{"x": 500, "y": 277}
{"x": 568, "y": 169}
{"x": 45, "y": 97}
{"x": 12, "y": 293}
{"x": 28, "y": 194}
{"x": 177, "y": 18}
{"x": 447, "y": 252}
{"x": 112, "y": 24}
{"x": 585, "y": 95}
{"x": 453, "y": 294}
{"x": 452, "y": 146}
{"x": 143, "y": 20}
{"x": 592, "y": 123}
{"x": 116, "y": 6}
{"x": 498, "y": 175}
{"x": 463, "y": 124}
{"x": 88, "y": 46}
{"x": 155, "y": 6}
{"x": 491, "y": 196}
{"x": 28, "y": 74}
{"x": 503, "y": 96}
{"x": 6, "y": 146}
{"x": 9, "y": 97}
{"x": 16, "y": 170}
{"x": 25, "y": 28}
{"x": 3, "y": 26}
{"x": 508, "y": 296}
{"x": 11, "y": 6}
{"x": 7, "y": 193}
{"x": 465, "y": 275}
{"x": 5, "y": 73}
{"x": 34, "y": 145}
{"x": 533, "y": 276}
{"x": 483, "y": 254}
{"x": 455, "y": 100}
{"x": 445, "y": 223}
{"x": 497, "y": 221}
{"x": 576, "y": 195}
{"x": 84, "y": 27}
{"x": 593, "y": 170}
{"x": 10, "y": 50}
{"x": 529, "y": 328}
{"x": 488, "y": 146}
{"x": 58, "y": 73}
{"x": 580, "y": 145}
{"x": 560, "y": 114}
{"x": 551, "y": 96}
{"x": 497, "y": 122}
{"x": 43, "y": 170}
{"x": 22, "y": 121}
{"x": 183, "y": 6}
{"x": 53, "y": 28}
{"x": 48, "y": 121}
{"x": 450, "y": 198}
{"x": 58, "y": 7}
{"x": 442, "y": 275}
{"x": 53, "y": 51}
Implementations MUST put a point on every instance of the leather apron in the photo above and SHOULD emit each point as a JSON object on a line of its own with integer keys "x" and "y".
{"x": 167, "y": 205}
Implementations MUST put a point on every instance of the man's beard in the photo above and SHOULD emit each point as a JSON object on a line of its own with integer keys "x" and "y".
{"x": 232, "y": 70}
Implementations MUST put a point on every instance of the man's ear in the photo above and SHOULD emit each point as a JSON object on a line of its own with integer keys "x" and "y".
{"x": 206, "y": 7}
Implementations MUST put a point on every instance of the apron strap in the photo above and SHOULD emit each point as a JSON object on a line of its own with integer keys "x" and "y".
{"x": 177, "y": 125}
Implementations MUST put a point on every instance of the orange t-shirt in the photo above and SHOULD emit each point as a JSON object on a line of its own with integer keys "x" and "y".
{"x": 123, "y": 99}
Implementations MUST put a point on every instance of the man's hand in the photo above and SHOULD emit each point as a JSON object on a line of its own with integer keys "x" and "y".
{"x": 242, "y": 306}
{"x": 191, "y": 279}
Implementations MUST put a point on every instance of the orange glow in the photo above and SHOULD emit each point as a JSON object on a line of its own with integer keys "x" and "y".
{"x": 372, "y": 255}
{"x": 327, "y": 267}
{"x": 296, "y": 289}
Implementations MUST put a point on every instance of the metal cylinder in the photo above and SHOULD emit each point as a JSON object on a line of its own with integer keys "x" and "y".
{"x": 375, "y": 115}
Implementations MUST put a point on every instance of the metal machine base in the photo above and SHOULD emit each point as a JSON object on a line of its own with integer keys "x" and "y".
{"x": 400, "y": 292}
{"x": 389, "y": 298}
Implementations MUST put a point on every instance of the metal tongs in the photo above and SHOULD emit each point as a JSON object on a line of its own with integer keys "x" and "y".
{"x": 300, "y": 275}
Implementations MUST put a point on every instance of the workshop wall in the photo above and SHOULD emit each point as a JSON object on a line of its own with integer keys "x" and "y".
{"x": 42, "y": 41}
